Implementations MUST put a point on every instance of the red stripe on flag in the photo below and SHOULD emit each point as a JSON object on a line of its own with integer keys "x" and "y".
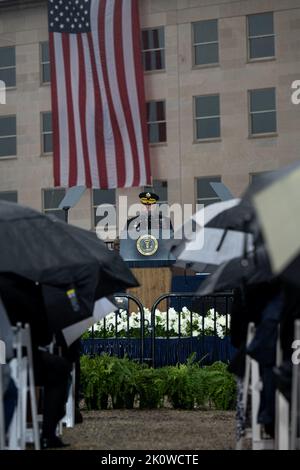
{"x": 120, "y": 156}
{"x": 55, "y": 114}
{"x": 121, "y": 76}
{"x": 101, "y": 157}
{"x": 140, "y": 84}
{"x": 82, "y": 110}
{"x": 71, "y": 123}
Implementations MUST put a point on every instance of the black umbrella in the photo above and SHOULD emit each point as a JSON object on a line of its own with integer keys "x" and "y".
{"x": 67, "y": 262}
{"x": 253, "y": 270}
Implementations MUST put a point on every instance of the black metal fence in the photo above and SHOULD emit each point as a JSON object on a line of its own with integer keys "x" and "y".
{"x": 201, "y": 327}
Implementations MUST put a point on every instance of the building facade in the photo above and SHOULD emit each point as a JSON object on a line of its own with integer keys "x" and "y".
{"x": 218, "y": 77}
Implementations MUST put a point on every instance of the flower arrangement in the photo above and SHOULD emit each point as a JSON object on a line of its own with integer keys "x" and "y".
{"x": 191, "y": 324}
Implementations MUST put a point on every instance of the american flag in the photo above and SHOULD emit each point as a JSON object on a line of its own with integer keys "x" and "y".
{"x": 98, "y": 98}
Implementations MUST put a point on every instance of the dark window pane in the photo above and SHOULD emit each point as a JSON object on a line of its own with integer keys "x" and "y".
{"x": 7, "y": 56}
{"x": 153, "y": 38}
{"x": 8, "y": 146}
{"x": 47, "y": 143}
{"x": 47, "y": 122}
{"x": 205, "y": 31}
{"x": 262, "y": 100}
{"x": 207, "y": 106}
{"x": 8, "y": 76}
{"x": 263, "y": 122}
{"x": 207, "y": 54}
{"x": 45, "y": 52}
{"x": 8, "y": 126}
{"x": 204, "y": 189}
{"x": 261, "y": 24}
{"x": 104, "y": 196}
{"x": 154, "y": 60}
{"x": 157, "y": 132}
{"x": 46, "y": 73}
{"x": 156, "y": 111}
{"x": 10, "y": 196}
{"x": 208, "y": 128}
{"x": 60, "y": 214}
{"x": 53, "y": 197}
{"x": 262, "y": 47}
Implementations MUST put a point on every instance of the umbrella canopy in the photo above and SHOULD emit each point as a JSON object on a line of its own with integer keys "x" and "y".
{"x": 45, "y": 250}
{"x": 63, "y": 262}
{"x": 278, "y": 208}
{"x": 242, "y": 216}
{"x": 253, "y": 270}
{"x": 213, "y": 247}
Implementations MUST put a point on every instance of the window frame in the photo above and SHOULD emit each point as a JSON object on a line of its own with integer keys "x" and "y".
{"x": 194, "y": 45}
{"x": 249, "y": 38}
{"x": 151, "y": 188}
{"x": 6, "y": 157}
{"x": 7, "y": 67}
{"x": 42, "y": 63}
{"x": 154, "y": 50}
{"x": 94, "y": 206}
{"x": 52, "y": 209}
{"x": 195, "y": 119}
{"x": 8, "y": 191}
{"x": 261, "y": 134}
{"x": 215, "y": 199}
{"x": 162, "y": 142}
{"x": 43, "y": 153}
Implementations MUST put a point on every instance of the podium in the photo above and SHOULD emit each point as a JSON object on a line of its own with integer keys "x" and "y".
{"x": 148, "y": 254}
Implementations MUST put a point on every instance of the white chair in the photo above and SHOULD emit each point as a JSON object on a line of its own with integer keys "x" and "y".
{"x": 23, "y": 375}
{"x": 2, "y": 420}
{"x": 69, "y": 419}
{"x": 252, "y": 387}
{"x": 295, "y": 403}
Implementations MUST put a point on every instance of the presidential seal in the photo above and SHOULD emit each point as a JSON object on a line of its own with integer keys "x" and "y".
{"x": 147, "y": 245}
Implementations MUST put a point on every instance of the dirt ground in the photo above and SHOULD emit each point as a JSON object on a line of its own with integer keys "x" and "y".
{"x": 153, "y": 430}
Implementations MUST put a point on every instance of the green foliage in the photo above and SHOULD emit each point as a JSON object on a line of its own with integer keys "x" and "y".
{"x": 186, "y": 386}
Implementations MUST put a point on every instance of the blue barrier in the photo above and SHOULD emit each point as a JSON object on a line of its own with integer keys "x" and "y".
{"x": 169, "y": 351}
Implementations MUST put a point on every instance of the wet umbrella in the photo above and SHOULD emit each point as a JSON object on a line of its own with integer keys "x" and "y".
{"x": 278, "y": 209}
{"x": 67, "y": 263}
{"x": 242, "y": 217}
{"x": 239, "y": 271}
{"x": 48, "y": 251}
{"x": 213, "y": 247}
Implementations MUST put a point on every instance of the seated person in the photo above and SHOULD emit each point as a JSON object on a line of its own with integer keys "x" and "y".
{"x": 24, "y": 303}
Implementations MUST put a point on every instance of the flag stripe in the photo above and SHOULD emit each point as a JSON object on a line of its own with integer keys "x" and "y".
{"x": 72, "y": 134}
{"x": 98, "y": 98}
{"x": 62, "y": 113}
{"x": 122, "y": 83}
{"x": 82, "y": 107}
{"x": 140, "y": 85}
{"x": 120, "y": 160}
{"x": 55, "y": 126}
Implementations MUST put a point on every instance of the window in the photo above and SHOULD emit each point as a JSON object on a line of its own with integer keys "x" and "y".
{"x": 8, "y": 66}
{"x": 261, "y": 38}
{"x": 47, "y": 135}
{"x": 153, "y": 49}
{"x": 8, "y": 136}
{"x": 207, "y": 117}
{"x": 206, "y": 42}
{"x": 51, "y": 200}
{"x": 161, "y": 189}
{"x": 10, "y": 196}
{"x": 45, "y": 62}
{"x": 205, "y": 193}
{"x": 263, "y": 111}
{"x": 156, "y": 118}
{"x": 103, "y": 197}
